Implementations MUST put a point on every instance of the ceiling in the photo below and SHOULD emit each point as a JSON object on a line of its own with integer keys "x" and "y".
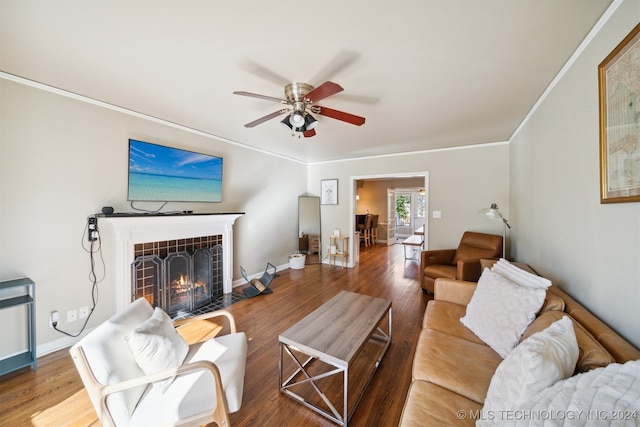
{"x": 425, "y": 74}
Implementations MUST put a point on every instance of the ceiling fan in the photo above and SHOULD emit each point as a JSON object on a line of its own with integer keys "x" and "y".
{"x": 300, "y": 99}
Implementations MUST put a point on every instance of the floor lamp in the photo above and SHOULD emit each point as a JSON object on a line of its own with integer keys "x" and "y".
{"x": 493, "y": 213}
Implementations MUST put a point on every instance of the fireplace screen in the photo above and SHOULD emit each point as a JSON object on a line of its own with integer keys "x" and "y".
{"x": 179, "y": 281}
{"x": 147, "y": 278}
{"x": 202, "y": 281}
{"x": 216, "y": 270}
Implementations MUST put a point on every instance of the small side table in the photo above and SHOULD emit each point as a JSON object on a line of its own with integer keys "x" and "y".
{"x": 342, "y": 250}
{"x": 21, "y": 293}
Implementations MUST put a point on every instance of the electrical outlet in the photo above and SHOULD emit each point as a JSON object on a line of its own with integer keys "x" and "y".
{"x": 54, "y": 317}
{"x": 92, "y": 228}
{"x": 72, "y": 316}
{"x": 83, "y": 312}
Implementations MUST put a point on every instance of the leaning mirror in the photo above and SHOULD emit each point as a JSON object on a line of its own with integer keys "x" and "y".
{"x": 309, "y": 228}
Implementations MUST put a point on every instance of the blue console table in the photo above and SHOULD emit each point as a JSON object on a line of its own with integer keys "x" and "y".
{"x": 20, "y": 292}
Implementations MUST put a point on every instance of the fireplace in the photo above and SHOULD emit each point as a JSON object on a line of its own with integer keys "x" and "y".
{"x": 179, "y": 276}
{"x": 148, "y": 240}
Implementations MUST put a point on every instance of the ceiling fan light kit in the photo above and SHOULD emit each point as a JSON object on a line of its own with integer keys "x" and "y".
{"x": 296, "y": 119}
{"x": 285, "y": 122}
{"x": 310, "y": 122}
{"x": 300, "y": 98}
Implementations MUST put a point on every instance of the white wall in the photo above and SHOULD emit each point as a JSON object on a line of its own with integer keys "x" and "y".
{"x": 591, "y": 250}
{"x": 461, "y": 182}
{"x": 62, "y": 159}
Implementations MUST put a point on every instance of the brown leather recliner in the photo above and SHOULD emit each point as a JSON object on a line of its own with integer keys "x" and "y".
{"x": 462, "y": 263}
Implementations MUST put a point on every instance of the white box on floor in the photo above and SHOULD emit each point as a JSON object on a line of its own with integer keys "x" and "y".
{"x": 296, "y": 261}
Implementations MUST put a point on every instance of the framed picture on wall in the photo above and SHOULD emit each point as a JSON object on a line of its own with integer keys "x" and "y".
{"x": 329, "y": 191}
{"x": 620, "y": 122}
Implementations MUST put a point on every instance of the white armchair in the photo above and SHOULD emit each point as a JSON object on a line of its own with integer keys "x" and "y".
{"x": 205, "y": 387}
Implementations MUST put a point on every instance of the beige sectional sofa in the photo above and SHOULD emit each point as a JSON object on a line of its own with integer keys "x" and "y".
{"x": 453, "y": 368}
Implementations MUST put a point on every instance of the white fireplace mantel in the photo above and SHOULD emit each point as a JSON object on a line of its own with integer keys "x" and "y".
{"x": 122, "y": 232}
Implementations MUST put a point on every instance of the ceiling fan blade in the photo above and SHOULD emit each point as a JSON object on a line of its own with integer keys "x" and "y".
{"x": 339, "y": 115}
{"x": 256, "y": 95}
{"x": 265, "y": 73}
{"x": 324, "y": 90}
{"x": 265, "y": 118}
{"x": 335, "y": 66}
{"x": 309, "y": 133}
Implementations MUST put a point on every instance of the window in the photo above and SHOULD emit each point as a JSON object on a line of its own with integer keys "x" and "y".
{"x": 410, "y": 209}
{"x": 403, "y": 209}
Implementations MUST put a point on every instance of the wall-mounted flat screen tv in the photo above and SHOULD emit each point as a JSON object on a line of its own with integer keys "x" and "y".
{"x": 165, "y": 174}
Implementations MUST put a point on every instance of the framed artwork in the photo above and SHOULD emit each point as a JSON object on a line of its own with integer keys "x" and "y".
{"x": 329, "y": 191}
{"x": 619, "y": 88}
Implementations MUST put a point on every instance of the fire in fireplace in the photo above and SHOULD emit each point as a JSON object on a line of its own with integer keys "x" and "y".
{"x": 179, "y": 275}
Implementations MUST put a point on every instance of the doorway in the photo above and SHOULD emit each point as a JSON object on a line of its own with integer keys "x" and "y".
{"x": 375, "y": 194}
{"x": 410, "y": 208}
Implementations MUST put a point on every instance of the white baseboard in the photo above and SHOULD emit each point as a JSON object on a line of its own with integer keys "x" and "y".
{"x": 59, "y": 344}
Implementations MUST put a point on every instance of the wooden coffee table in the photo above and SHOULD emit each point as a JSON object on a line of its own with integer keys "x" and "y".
{"x": 334, "y": 335}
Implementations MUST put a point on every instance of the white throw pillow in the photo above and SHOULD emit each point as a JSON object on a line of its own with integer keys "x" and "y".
{"x": 157, "y": 346}
{"x": 537, "y": 363}
{"x": 519, "y": 276}
{"x": 500, "y": 311}
{"x": 607, "y": 396}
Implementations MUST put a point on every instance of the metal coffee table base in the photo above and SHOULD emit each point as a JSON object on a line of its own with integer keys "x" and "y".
{"x": 341, "y": 418}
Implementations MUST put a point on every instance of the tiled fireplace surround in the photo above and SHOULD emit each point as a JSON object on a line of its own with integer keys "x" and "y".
{"x": 122, "y": 234}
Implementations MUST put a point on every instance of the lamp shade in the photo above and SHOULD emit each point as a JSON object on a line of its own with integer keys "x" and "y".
{"x": 493, "y": 213}
{"x": 296, "y": 119}
{"x": 310, "y": 121}
{"x": 287, "y": 122}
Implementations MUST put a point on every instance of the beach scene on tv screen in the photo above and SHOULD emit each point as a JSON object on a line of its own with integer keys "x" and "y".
{"x": 159, "y": 173}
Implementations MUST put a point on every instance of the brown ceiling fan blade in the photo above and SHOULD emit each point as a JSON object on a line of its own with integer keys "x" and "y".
{"x": 256, "y": 95}
{"x": 340, "y": 115}
{"x": 309, "y": 133}
{"x": 265, "y": 118}
{"x": 324, "y": 90}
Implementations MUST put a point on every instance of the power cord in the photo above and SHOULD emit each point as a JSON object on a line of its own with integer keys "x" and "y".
{"x": 148, "y": 211}
{"x": 95, "y": 247}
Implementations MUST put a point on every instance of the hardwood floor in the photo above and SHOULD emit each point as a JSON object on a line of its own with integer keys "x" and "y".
{"x": 54, "y": 395}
